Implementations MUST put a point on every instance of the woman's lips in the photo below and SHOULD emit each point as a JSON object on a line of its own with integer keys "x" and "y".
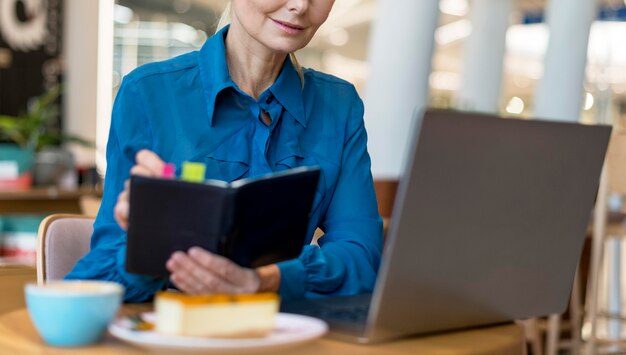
{"x": 289, "y": 28}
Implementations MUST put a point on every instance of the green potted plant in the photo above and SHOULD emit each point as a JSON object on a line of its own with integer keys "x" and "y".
{"x": 33, "y": 140}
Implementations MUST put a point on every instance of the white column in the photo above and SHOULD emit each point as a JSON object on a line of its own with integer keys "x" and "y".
{"x": 130, "y": 48}
{"x": 88, "y": 51}
{"x": 559, "y": 94}
{"x": 400, "y": 52}
{"x": 483, "y": 56}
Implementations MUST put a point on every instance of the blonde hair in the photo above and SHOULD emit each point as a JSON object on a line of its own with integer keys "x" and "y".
{"x": 225, "y": 20}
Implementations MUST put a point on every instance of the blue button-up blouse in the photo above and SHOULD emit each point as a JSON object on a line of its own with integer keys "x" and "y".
{"x": 189, "y": 109}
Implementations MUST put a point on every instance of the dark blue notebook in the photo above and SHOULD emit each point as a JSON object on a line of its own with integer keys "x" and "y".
{"x": 253, "y": 222}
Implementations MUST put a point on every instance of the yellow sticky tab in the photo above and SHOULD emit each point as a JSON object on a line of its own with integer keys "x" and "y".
{"x": 193, "y": 172}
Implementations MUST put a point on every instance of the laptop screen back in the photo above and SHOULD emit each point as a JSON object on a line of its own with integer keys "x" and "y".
{"x": 488, "y": 224}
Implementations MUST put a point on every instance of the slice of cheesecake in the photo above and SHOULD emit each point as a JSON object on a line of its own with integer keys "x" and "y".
{"x": 216, "y": 315}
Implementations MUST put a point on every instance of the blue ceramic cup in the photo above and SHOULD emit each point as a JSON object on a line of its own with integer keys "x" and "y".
{"x": 73, "y": 313}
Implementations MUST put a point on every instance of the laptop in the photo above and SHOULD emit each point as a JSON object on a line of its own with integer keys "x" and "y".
{"x": 488, "y": 226}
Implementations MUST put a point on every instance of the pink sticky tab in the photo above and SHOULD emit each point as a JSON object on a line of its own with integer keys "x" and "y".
{"x": 169, "y": 171}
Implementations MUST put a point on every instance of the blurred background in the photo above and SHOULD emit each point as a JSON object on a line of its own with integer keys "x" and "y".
{"x": 91, "y": 45}
{"x": 62, "y": 61}
{"x": 152, "y": 30}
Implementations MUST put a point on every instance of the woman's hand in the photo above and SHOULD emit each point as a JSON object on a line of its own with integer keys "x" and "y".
{"x": 147, "y": 164}
{"x": 199, "y": 272}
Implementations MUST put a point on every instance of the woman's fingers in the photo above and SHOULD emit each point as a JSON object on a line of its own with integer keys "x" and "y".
{"x": 193, "y": 278}
{"x": 150, "y": 161}
{"x": 121, "y": 209}
{"x": 184, "y": 284}
{"x": 147, "y": 164}
{"x": 141, "y": 171}
{"x": 200, "y": 271}
{"x": 222, "y": 266}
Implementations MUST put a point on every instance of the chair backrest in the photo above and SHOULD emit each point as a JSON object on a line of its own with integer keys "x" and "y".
{"x": 62, "y": 240}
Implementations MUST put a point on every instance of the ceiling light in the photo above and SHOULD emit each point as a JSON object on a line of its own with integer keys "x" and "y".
{"x": 453, "y": 31}
{"x": 528, "y": 41}
{"x": 588, "y": 101}
{"x": 448, "y": 81}
{"x": 122, "y": 14}
{"x": 455, "y": 7}
{"x": 515, "y": 106}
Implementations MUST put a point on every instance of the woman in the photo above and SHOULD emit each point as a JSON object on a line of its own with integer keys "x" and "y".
{"x": 244, "y": 107}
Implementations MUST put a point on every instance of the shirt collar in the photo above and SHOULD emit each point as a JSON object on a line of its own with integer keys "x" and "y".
{"x": 288, "y": 91}
{"x": 214, "y": 70}
{"x": 287, "y": 88}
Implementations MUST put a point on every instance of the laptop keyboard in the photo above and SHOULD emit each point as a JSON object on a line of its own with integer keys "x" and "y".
{"x": 350, "y": 314}
{"x": 352, "y": 309}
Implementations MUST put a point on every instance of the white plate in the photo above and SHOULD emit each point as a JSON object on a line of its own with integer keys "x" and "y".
{"x": 291, "y": 330}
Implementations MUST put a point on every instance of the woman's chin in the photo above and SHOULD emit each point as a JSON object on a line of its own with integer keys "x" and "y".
{"x": 286, "y": 45}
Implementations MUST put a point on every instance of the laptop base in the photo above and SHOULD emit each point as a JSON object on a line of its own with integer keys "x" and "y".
{"x": 346, "y": 315}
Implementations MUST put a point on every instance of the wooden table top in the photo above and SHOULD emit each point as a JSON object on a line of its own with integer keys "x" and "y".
{"x": 44, "y": 200}
{"x": 18, "y": 336}
{"x": 13, "y": 277}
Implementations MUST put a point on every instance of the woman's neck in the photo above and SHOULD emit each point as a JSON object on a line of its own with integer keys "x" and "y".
{"x": 252, "y": 66}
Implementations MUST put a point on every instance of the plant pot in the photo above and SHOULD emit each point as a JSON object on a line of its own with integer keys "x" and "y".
{"x": 54, "y": 166}
{"x": 15, "y": 167}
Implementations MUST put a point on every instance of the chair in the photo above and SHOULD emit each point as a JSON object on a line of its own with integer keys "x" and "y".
{"x": 613, "y": 181}
{"x": 61, "y": 241}
{"x": 553, "y": 328}
{"x": 535, "y": 327}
